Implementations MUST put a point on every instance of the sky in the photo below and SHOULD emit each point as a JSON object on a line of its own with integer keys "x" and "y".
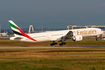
{"x": 52, "y": 13}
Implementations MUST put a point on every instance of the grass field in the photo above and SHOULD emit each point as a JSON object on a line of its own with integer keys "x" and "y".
{"x": 53, "y": 59}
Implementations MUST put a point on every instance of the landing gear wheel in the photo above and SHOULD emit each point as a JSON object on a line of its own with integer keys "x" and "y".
{"x": 63, "y": 43}
{"x": 54, "y": 43}
{"x": 74, "y": 40}
{"x": 96, "y": 39}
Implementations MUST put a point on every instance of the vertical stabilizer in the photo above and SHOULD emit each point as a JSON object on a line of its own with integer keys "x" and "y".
{"x": 15, "y": 28}
{"x": 17, "y": 31}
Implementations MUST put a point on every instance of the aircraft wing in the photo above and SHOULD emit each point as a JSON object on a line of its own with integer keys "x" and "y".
{"x": 69, "y": 35}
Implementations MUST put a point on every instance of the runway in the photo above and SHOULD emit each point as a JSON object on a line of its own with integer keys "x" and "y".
{"x": 25, "y": 47}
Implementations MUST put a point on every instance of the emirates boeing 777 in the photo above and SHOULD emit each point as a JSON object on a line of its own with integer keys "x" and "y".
{"x": 54, "y": 36}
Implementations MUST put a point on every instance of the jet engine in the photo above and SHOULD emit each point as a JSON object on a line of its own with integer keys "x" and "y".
{"x": 77, "y": 38}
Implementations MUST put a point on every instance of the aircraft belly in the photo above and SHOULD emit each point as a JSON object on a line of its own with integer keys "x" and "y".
{"x": 37, "y": 40}
{"x": 90, "y": 35}
{"x": 42, "y": 39}
{"x": 27, "y": 40}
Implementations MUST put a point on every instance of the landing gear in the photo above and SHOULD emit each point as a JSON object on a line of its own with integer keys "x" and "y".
{"x": 63, "y": 43}
{"x": 96, "y": 38}
{"x": 54, "y": 43}
{"x": 74, "y": 40}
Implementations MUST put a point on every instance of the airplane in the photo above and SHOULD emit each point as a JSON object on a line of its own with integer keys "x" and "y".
{"x": 4, "y": 34}
{"x": 54, "y": 36}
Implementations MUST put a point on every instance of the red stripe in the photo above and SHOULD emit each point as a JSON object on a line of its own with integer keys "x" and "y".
{"x": 25, "y": 34}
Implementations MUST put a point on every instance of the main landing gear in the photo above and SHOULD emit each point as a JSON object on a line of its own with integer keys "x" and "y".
{"x": 96, "y": 38}
{"x": 54, "y": 43}
{"x": 63, "y": 43}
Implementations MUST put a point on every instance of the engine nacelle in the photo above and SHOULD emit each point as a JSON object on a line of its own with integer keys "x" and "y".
{"x": 77, "y": 38}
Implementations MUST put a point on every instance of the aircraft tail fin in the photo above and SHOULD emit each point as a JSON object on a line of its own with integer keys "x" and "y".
{"x": 7, "y": 32}
{"x": 17, "y": 31}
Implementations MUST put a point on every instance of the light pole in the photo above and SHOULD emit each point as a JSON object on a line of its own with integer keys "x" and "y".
{"x": 0, "y": 29}
{"x": 42, "y": 27}
{"x": 104, "y": 26}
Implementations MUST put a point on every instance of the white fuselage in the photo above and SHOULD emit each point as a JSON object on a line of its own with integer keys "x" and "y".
{"x": 86, "y": 32}
{"x": 56, "y": 35}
